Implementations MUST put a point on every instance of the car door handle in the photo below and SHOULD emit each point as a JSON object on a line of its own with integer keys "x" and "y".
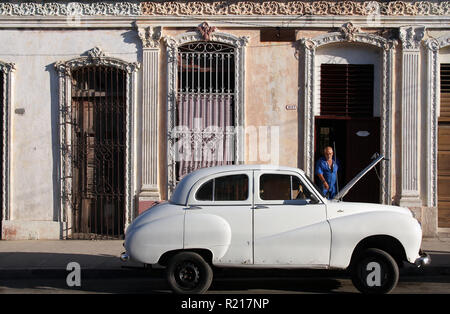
{"x": 259, "y": 207}
{"x": 194, "y": 207}
{"x": 340, "y": 211}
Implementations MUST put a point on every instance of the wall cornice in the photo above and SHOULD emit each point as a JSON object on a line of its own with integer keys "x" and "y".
{"x": 213, "y": 8}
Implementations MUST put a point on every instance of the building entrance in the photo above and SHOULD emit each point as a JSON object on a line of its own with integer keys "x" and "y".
{"x": 347, "y": 124}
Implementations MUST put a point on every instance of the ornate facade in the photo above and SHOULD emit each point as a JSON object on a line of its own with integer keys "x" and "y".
{"x": 277, "y": 88}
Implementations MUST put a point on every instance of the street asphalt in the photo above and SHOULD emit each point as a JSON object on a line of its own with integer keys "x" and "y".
{"x": 50, "y": 258}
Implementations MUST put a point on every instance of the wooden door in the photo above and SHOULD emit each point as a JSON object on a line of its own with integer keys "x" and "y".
{"x": 444, "y": 150}
{"x": 444, "y": 175}
{"x": 363, "y": 141}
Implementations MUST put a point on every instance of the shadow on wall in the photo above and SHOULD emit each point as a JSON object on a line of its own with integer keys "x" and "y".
{"x": 56, "y": 149}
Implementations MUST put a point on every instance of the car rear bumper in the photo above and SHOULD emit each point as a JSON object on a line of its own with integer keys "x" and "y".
{"x": 423, "y": 259}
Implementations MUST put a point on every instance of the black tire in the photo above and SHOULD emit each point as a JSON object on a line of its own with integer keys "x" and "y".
{"x": 188, "y": 272}
{"x": 377, "y": 278}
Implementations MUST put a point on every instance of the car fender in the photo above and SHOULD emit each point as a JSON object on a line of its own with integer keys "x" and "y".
{"x": 207, "y": 231}
{"x": 348, "y": 231}
{"x": 147, "y": 242}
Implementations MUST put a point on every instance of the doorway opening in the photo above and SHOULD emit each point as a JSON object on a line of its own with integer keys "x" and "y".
{"x": 99, "y": 146}
{"x": 1, "y": 149}
{"x": 347, "y": 124}
{"x": 444, "y": 149}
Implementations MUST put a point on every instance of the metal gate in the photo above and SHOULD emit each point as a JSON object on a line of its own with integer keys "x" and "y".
{"x": 99, "y": 145}
{"x": 1, "y": 148}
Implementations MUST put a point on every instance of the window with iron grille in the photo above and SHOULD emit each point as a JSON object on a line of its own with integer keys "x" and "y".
{"x": 346, "y": 90}
{"x": 205, "y": 106}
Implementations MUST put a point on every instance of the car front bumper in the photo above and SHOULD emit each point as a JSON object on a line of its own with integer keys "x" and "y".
{"x": 124, "y": 257}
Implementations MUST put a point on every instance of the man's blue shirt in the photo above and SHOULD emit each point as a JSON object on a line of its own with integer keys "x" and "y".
{"x": 329, "y": 175}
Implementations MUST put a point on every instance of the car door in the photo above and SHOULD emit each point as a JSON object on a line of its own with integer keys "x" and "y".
{"x": 290, "y": 222}
{"x": 219, "y": 217}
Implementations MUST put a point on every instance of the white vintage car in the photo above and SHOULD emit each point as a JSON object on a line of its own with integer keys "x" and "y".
{"x": 263, "y": 216}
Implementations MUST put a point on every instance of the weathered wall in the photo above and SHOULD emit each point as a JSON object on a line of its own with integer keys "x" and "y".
{"x": 35, "y": 154}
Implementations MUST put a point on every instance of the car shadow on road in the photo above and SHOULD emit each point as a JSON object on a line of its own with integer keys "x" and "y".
{"x": 32, "y": 272}
{"x": 44, "y": 272}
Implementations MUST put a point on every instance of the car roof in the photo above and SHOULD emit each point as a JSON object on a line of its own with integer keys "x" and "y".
{"x": 183, "y": 188}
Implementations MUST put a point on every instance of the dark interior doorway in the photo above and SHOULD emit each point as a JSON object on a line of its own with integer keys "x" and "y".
{"x": 354, "y": 141}
{"x": 347, "y": 124}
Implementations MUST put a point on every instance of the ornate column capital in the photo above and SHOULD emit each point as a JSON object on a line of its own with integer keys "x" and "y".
{"x": 411, "y": 36}
{"x": 7, "y": 67}
{"x": 150, "y": 36}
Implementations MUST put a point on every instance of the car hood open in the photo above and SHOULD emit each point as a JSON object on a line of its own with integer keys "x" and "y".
{"x": 347, "y": 188}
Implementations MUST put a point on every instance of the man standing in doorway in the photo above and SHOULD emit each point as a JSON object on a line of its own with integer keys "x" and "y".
{"x": 326, "y": 171}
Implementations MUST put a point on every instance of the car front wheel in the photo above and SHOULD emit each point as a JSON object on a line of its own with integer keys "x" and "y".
{"x": 188, "y": 272}
{"x": 375, "y": 272}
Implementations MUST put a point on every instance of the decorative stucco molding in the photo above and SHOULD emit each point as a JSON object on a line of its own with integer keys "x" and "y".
{"x": 259, "y": 8}
{"x": 206, "y": 30}
{"x": 125, "y": 8}
{"x": 172, "y": 44}
{"x": 7, "y": 71}
{"x": 150, "y": 36}
{"x": 350, "y": 34}
{"x": 365, "y": 8}
{"x": 411, "y": 36}
{"x": 433, "y": 46}
{"x": 94, "y": 57}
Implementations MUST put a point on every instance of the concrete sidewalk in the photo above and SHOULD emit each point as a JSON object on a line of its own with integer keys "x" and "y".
{"x": 42, "y": 257}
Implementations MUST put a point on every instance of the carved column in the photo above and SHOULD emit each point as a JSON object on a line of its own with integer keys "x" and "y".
{"x": 150, "y": 37}
{"x": 6, "y": 70}
{"x": 410, "y": 37}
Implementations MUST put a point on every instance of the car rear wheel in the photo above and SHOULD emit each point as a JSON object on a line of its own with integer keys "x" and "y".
{"x": 188, "y": 272}
{"x": 375, "y": 272}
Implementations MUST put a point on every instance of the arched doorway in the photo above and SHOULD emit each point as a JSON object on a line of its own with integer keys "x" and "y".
{"x": 347, "y": 124}
{"x": 97, "y": 103}
{"x": 350, "y": 37}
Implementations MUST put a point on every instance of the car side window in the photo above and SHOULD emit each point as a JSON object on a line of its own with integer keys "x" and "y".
{"x": 282, "y": 187}
{"x": 226, "y": 188}
{"x": 205, "y": 192}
